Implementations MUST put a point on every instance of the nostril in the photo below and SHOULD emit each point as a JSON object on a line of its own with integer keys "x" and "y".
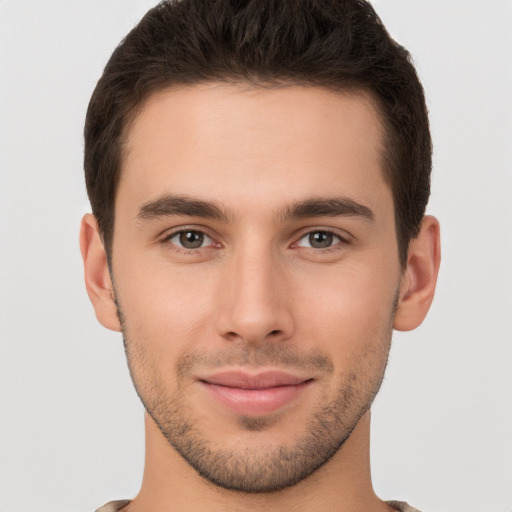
{"x": 274, "y": 333}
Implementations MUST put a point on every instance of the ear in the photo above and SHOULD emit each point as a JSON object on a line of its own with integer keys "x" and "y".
{"x": 419, "y": 278}
{"x": 97, "y": 276}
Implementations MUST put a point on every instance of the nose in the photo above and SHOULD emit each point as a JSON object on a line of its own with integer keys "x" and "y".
{"x": 255, "y": 304}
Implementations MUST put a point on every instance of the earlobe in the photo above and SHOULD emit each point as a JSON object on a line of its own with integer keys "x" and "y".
{"x": 96, "y": 273}
{"x": 419, "y": 277}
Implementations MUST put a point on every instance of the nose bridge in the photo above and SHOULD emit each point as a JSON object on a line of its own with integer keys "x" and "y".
{"x": 255, "y": 305}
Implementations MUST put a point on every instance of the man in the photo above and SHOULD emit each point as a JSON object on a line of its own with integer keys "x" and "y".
{"x": 258, "y": 174}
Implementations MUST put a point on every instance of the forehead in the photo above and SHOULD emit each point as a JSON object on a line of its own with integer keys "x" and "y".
{"x": 240, "y": 144}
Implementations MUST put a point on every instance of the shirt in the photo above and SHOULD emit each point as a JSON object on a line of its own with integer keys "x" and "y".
{"x": 114, "y": 506}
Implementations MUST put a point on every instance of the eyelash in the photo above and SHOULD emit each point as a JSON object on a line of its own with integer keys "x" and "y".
{"x": 342, "y": 241}
{"x": 184, "y": 250}
{"x": 336, "y": 246}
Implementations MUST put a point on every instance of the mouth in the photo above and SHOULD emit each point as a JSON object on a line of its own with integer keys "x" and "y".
{"x": 255, "y": 394}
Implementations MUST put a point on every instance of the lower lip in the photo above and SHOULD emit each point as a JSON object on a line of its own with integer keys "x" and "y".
{"x": 256, "y": 402}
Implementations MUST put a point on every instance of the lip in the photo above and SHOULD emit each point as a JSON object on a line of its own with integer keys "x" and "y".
{"x": 255, "y": 394}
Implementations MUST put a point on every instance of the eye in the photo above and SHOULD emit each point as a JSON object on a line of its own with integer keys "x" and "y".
{"x": 190, "y": 239}
{"x": 319, "y": 240}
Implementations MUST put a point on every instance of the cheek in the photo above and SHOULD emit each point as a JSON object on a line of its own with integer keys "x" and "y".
{"x": 349, "y": 312}
{"x": 343, "y": 309}
{"x": 163, "y": 306}
{"x": 163, "y": 320}
{"x": 347, "y": 299}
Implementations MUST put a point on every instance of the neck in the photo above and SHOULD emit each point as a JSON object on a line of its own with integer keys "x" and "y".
{"x": 343, "y": 483}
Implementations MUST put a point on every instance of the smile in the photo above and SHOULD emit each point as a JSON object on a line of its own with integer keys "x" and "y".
{"x": 255, "y": 395}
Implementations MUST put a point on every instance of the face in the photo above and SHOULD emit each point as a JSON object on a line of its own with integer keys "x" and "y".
{"x": 256, "y": 275}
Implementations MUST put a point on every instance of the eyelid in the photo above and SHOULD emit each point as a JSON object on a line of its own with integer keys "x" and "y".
{"x": 168, "y": 235}
{"x": 343, "y": 236}
{"x": 308, "y": 245}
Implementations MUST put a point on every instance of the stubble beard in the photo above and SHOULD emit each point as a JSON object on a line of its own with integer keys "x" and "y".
{"x": 256, "y": 469}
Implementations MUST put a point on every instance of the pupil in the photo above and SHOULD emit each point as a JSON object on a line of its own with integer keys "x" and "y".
{"x": 191, "y": 239}
{"x": 320, "y": 239}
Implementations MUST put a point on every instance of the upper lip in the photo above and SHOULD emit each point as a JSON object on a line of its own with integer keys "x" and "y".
{"x": 261, "y": 380}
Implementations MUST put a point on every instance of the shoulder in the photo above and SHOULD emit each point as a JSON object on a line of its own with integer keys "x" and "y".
{"x": 401, "y": 506}
{"x": 113, "y": 506}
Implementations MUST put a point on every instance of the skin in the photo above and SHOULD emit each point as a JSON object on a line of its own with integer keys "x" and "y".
{"x": 259, "y": 292}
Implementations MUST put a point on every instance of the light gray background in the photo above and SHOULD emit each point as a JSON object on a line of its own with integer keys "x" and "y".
{"x": 71, "y": 431}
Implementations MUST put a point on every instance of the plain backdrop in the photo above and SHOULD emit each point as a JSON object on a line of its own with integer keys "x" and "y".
{"x": 71, "y": 426}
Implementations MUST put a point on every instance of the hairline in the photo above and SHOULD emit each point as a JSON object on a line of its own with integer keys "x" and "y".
{"x": 356, "y": 90}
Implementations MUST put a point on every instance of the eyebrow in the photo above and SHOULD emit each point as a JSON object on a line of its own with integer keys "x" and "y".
{"x": 327, "y": 207}
{"x": 171, "y": 204}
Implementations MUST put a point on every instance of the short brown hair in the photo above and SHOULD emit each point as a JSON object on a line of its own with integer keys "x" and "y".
{"x": 337, "y": 44}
